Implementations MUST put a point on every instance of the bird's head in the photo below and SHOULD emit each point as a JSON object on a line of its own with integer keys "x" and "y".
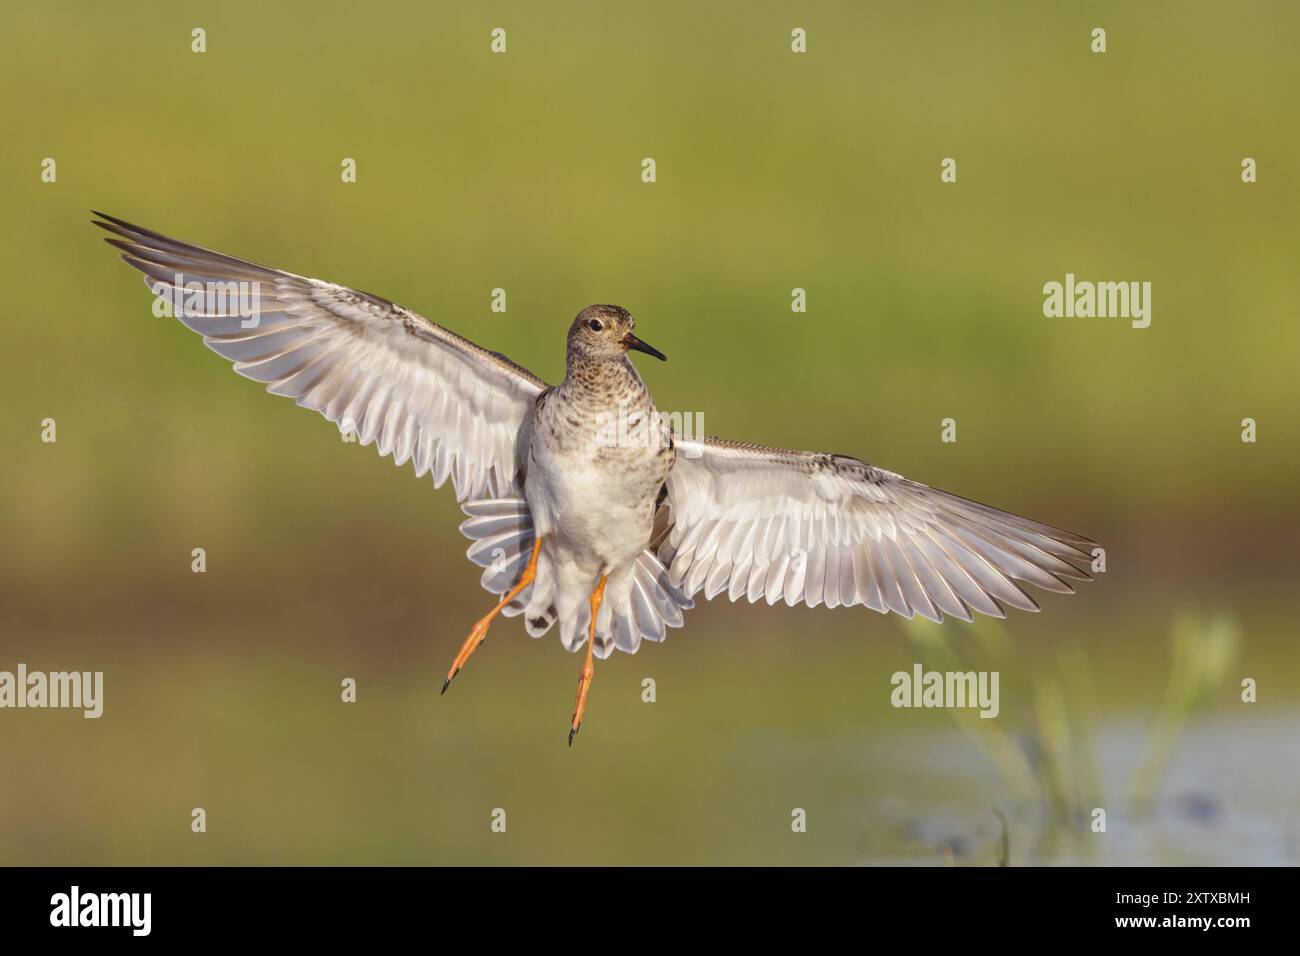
{"x": 604, "y": 333}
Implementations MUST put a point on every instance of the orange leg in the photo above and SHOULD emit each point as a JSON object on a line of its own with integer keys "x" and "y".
{"x": 589, "y": 668}
{"x": 479, "y": 632}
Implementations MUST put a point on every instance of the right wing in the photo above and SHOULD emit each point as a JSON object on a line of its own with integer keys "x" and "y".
{"x": 420, "y": 392}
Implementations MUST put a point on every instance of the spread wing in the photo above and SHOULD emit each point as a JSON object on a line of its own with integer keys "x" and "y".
{"x": 817, "y": 528}
{"x": 420, "y": 392}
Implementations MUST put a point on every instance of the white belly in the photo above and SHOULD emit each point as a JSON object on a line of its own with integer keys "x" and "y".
{"x": 594, "y": 503}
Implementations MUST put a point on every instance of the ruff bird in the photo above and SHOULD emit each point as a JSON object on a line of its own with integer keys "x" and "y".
{"x": 576, "y": 518}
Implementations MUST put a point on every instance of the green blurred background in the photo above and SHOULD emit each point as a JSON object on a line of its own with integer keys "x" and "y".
{"x": 775, "y": 171}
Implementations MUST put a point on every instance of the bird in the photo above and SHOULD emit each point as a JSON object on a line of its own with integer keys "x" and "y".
{"x": 585, "y": 509}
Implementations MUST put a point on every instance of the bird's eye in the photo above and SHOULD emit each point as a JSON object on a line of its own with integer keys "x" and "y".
{"x": 595, "y": 325}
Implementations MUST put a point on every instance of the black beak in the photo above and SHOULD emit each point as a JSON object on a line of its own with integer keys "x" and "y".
{"x": 632, "y": 342}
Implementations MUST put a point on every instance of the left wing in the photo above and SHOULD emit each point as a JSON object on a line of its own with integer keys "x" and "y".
{"x": 812, "y": 528}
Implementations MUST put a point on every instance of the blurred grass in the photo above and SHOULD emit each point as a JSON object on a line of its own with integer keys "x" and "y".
{"x": 522, "y": 171}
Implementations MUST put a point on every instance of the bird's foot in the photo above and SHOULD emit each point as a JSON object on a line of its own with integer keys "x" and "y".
{"x": 589, "y": 668}
{"x": 584, "y": 685}
{"x": 478, "y": 633}
{"x": 476, "y": 637}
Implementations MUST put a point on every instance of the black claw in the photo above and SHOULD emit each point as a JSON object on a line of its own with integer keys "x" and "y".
{"x": 446, "y": 684}
{"x": 572, "y": 731}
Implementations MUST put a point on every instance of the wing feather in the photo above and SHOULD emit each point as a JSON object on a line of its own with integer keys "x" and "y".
{"x": 416, "y": 390}
{"x": 814, "y": 528}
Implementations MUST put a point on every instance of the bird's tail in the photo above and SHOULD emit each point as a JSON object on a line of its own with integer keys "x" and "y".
{"x": 641, "y": 606}
{"x": 502, "y": 532}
